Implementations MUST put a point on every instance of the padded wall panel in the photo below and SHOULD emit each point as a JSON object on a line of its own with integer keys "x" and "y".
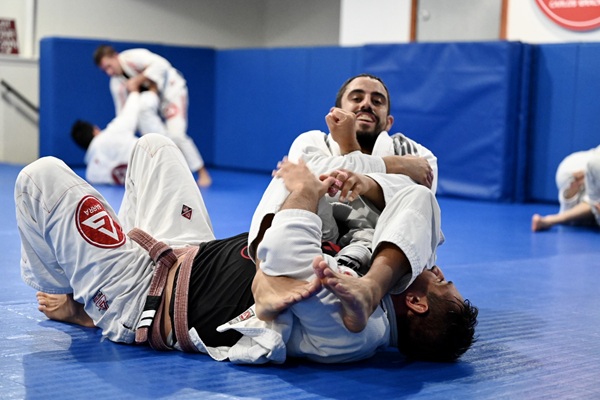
{"x": 565, "y": 105}
{"x": 462, "y": 101}
{"x": 586, "y": 124}
{"x": 267, "y": 97}
{"x": 328, "y": 69}
{"x": 72, "y": 87}
{"x": 259, "y": 91}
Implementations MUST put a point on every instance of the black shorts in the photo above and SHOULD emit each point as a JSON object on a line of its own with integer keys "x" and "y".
{"x": 220, "y": 288}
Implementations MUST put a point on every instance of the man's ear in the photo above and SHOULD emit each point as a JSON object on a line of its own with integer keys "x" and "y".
{"x": 390, "y": 122}
{"x": 418, "y": 304}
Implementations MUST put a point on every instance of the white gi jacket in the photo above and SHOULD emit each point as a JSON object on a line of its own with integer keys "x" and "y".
{"x": 579, "y": 161}
{"x": 322, "y": 154}
{"x": 156, "y": 68}
{"x": 108, "y": 154}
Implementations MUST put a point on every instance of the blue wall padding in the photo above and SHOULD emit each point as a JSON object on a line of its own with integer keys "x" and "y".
{"x": 267, "y": 97}
{"x": 462, "y": 101}
{"x": 500, "y": 116}
{"x": 72, "y": 87}
{"x": 565, "y": 110}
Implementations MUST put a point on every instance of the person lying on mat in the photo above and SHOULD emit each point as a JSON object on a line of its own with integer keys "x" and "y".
{"x": 426, "y": 317}
{"x": 359, "y": 141}
{"x": 107, "y": 151}
{"x": 89, "y": 272}
{"x": 578, "y": 183}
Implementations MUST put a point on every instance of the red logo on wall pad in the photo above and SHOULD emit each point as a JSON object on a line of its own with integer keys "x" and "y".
{"x": 577, "y": 15}
{"x": 96, "y": 225}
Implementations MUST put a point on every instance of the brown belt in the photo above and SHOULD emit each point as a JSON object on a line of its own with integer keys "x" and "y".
{"x": 164, "y": 257}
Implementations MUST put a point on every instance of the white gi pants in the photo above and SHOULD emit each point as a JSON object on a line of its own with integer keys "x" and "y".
{"x": 174, "y": 109}
{"x": 149, "y": 120}
{"x": 72, "y": 241}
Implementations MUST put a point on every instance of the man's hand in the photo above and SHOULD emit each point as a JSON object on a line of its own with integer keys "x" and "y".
{"x": 342, "y": 125}
{"x": 134, "y": 84}
{"x": 351, "y": 185}
{"x": 416, "y": 168}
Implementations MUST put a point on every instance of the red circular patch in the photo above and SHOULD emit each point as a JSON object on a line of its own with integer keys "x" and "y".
{"x": 119, "y": 173}
{"x": 170, "y": 111}
{"x": 244, "y": 253}
{"x": 96, "y": 225}
{"x": 578, "y": 15}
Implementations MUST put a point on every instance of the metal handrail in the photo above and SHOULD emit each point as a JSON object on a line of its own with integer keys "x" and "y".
{"x": 20, "y": 96}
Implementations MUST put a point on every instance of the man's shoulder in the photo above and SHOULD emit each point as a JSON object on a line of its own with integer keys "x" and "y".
{"x": 311, "y": 136}
{"x": 134, "y": 53}
{"x": 134, "y": 50}
{"x": 404, "y": 145}
{"x": 313, "y": 133}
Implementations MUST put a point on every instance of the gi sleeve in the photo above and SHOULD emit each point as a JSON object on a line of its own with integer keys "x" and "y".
{"x": 322, "y": 155}
{"x": 291, "y": 244}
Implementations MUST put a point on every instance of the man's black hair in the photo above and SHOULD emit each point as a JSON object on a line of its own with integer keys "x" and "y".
{"x": 82, "y": 133}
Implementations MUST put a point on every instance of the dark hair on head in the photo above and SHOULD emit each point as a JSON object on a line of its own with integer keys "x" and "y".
{"x": 340, "y": 93}
{"x": 102, "y": 51}
{"x": 82, "y": 133}
{"x": 444, "y": 333}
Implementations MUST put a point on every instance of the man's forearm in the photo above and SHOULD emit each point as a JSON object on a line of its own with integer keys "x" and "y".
{"x": 306, "y": 198}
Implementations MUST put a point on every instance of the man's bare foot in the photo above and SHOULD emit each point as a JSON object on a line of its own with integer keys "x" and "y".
{"x": 538, "y": 223}
{"x": 62, "y": 307}
{"x": 354, "y": 294}
{"x": 204, "y": 179}
{"x": 274, "y": 294}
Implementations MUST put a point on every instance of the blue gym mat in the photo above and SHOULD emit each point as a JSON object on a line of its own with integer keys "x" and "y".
{"x": 538, "y": 332}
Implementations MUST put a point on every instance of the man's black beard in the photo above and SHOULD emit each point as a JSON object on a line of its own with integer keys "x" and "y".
{"x": 366, "y": 140}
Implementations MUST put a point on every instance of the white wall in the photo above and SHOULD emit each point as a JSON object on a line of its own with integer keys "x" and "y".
{"x": 19, "y": 141}
{"x": 374, "y": 21}
{"x": 219, "y": 24}
{"x": 302, "y": 23}
{"x": 225, "y": 23}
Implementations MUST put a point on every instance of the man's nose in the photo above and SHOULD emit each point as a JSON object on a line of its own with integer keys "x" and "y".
{"x": 366, "y": 104}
